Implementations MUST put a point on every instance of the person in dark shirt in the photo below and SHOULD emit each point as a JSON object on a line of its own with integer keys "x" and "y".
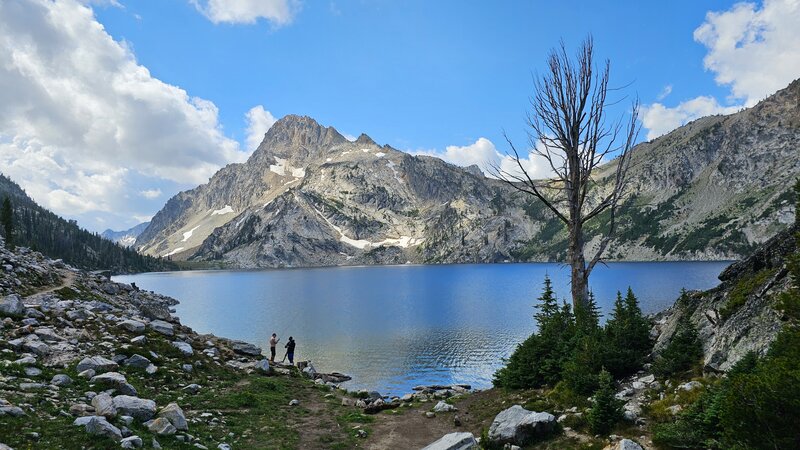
{"x": 290, "y": 349}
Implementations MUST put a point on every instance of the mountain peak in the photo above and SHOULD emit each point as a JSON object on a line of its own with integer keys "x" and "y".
{"x": 364, "y": 139}
{"x": 296, "y": 130}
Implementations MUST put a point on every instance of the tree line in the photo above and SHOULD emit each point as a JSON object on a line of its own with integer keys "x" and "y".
{"x": 24, "y": 223}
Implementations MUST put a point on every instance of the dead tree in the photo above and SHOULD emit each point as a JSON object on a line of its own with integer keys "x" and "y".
{"x": 568, "y": 128}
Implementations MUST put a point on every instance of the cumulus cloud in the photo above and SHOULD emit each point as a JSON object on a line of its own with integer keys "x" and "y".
{"x": 277, "y": 12}
{"x": 751, "y": 50}
{"x": 485, "y": 155}
{"x": 150, "y": 193}
{"x": 80, "y": 119}
{"x": 258, "y": 121}
{"x": 659, "y": 120}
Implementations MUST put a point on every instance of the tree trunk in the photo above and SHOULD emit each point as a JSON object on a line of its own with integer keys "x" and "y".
{"x": 577, "y": 261}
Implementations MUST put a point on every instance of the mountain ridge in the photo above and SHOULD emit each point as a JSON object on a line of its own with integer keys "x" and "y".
{"x": 711, "y": 189}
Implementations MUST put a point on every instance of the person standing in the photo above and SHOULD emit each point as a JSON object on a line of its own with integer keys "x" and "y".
{"x": 290, "y": 349}
{"x": 273, "y": 342}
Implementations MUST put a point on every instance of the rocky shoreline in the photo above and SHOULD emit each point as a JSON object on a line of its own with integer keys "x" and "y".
{"x": 65, "y": 329}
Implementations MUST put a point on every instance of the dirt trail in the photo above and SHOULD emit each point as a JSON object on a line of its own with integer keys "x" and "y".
{"x": 67, "y": 281}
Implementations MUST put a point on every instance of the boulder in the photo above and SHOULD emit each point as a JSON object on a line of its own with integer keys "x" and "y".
{"x": 245, "y": 348}
{"x": 138, "y": 361}
{"x": 138, "y": 408}
{"x": 647, "y": 379}
{"x": 99, "y": 425}
{"x": 454, "y": 441}
{"x": 12, "y": 306}
{"x": 165, "y": 328}
{"x": 139, "y": 340}
{"x": 174, "y": 414}
{"x": 26, "y": 361}
{"x": 81, "y": 409}
{"x": 131, "y": 442}
{"x": 134, "y": 326}
{"x": 185, "y": 348}
{"x": 6, "y": 408}
{"x": 61, "y": 380}
{"x": 263, "y": 367}
{"x": 88, "y": 373}
{"x": 115, "y": 380}
{"x": 444, "y": 407}
{"x": 104, "y": 405}
{"x": 161, "y": 426}
{"x": 518, "y": 426}
{"x": 96, "y": 363}
{"x": 153, "y": 310}
{"x": 624, "y": 444}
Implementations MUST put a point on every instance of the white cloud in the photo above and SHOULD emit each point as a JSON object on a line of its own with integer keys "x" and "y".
{"x": 259, "y": 122}
{"x": 485, "y": 155}
{"x": 150, "y": 193}
{"x": 664, "y": 92}
{"x": 81, "y": 121}
{"x": 278, "y": 12}
{"x": 754, "y": 51}
{"x": 751, "y": 50}
{"x": 659, "y": 119}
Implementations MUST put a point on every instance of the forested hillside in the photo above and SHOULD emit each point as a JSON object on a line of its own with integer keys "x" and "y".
{"x": 43, "y": 231}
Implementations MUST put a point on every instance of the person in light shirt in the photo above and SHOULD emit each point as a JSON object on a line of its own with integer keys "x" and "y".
{"x": 273, "y": 341}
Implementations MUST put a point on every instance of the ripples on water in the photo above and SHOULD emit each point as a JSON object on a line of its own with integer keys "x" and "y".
{"x": 394, "y": 327}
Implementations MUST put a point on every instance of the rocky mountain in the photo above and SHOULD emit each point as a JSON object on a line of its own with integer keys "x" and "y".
{"x": 307, "y": 196}
{"x": 125, "y": 238}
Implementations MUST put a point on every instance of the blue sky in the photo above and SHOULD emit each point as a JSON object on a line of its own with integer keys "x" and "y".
{"x": 111, "y": 107}
{"x": 413, "y": 74}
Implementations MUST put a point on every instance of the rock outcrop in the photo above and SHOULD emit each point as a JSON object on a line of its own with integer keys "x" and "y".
{"x": 739, "y": 315}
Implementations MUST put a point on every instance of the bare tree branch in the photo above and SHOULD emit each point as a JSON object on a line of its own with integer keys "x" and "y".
{"x": 568, "y": 128}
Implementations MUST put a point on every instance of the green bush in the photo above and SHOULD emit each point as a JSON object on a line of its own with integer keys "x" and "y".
{"x": 606, "y": 410}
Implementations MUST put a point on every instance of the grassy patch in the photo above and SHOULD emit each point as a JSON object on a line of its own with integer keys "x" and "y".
{"x": 743, "y": 290}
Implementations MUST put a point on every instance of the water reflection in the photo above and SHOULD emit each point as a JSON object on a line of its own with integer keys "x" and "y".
{"x": 395, "y": 327}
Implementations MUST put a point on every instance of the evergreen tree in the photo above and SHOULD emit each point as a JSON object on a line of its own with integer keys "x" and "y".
{"x": 540, "y": 360}
{"x": 606, "y": 410}
{"x": 683, "y": 351}
{"x": 7, "y": 221}
{"x": 627, "y": 337}
{"x": 548, "y": 305}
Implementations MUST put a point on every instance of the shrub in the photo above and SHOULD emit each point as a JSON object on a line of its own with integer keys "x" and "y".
{"x": 606, "y": 410}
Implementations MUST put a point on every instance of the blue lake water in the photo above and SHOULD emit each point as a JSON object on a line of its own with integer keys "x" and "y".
{"x": 395, "y": 327}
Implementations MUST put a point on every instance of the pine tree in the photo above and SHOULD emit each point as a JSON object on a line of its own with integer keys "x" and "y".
{"x": 7, "y": 221}
{"x": 548, "y": 305}
{"x": 606, "y": 410}
{"x": 627, "y": 337}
